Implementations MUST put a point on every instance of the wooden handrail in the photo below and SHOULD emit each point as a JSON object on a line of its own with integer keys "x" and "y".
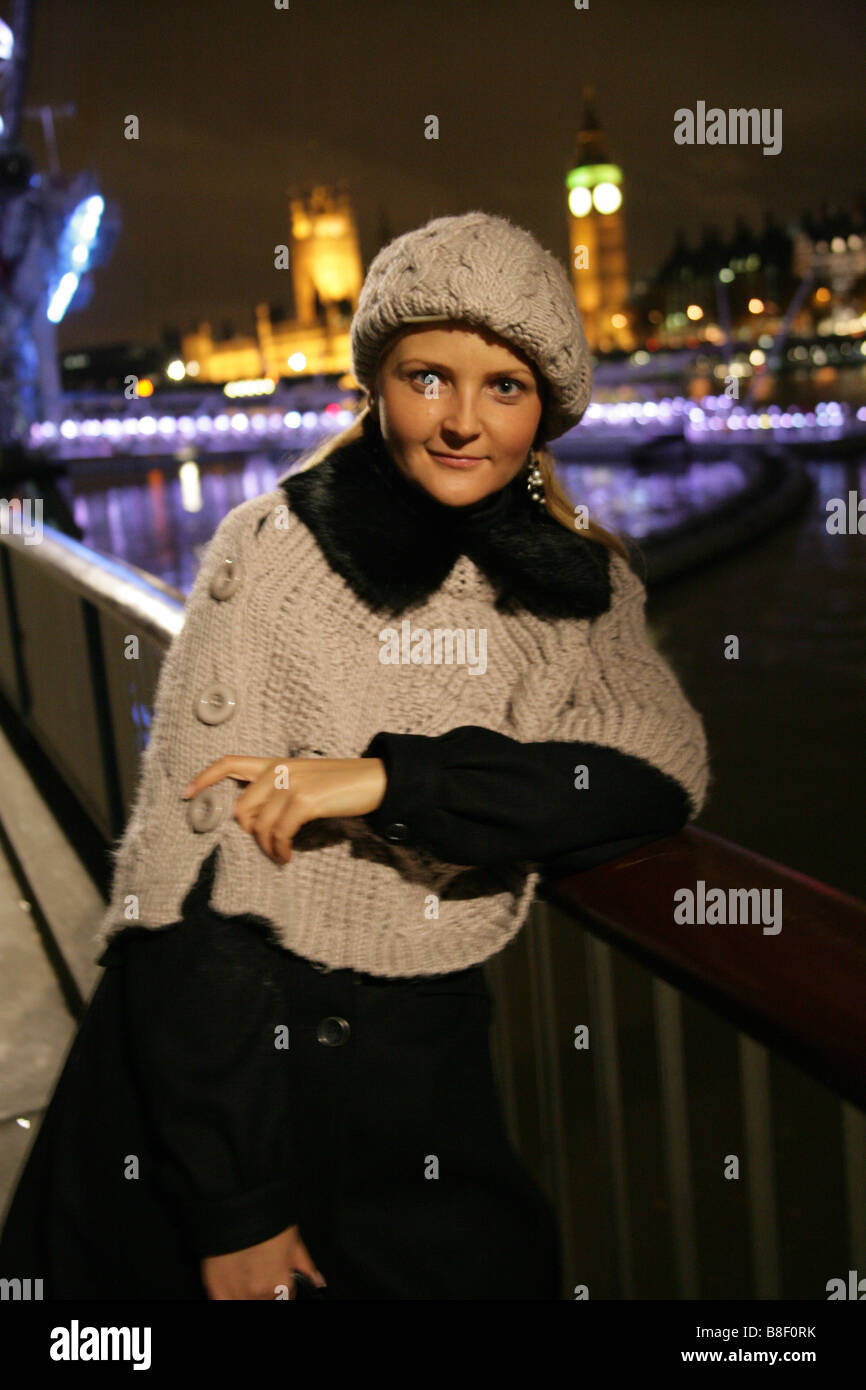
{"x": 801, "y": 991}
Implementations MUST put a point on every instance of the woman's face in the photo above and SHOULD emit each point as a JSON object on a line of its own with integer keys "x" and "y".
{"x": 453, "y": 392}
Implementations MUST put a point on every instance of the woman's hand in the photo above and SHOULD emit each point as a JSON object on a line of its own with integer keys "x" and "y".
{"x": 260, "y": 1271}
{"x": 285, "y": 793}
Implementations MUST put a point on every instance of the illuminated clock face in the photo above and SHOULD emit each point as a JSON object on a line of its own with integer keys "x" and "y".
{"x": 606, "y": 197}
{"x": 580, "y": 201}
{"x": 594, "y": 186}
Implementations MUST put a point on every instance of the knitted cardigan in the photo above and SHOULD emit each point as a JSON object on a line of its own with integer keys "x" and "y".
{"x": 311, "y": 627}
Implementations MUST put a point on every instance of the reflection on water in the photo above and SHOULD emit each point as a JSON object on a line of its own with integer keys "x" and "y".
{"x": 160, "y": 519}
{"x": 639, "y": 503}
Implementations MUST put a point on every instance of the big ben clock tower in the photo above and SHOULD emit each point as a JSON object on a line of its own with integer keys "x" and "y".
{"x": 596, "y": 233}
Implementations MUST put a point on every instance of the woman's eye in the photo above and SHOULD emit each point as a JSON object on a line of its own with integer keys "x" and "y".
{"x": 426, "y": 374}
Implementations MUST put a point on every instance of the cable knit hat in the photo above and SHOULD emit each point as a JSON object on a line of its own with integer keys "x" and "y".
{"x": 487, "y": 271}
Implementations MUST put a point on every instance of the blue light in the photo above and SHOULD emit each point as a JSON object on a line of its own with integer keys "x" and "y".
{"x": 60, "y": 299}
{"x": 73, "y": 253}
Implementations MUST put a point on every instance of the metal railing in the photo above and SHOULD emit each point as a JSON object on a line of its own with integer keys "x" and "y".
{"x": 690, "y": 1096}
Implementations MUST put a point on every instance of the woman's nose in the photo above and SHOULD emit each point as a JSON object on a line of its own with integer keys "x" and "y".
{"x": 461, "y": 416}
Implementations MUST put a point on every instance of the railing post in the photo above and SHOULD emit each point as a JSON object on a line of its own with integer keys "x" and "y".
{"x": 854, "y": 1150}
{"x": 760, "y": 1174}
{"x": 23, "y": 688}
{"x": 102, "y": 717}
{"x": 667, "y": 1006}
{"x": 605, "y": 1051}
{"x": 550, "y": 1076}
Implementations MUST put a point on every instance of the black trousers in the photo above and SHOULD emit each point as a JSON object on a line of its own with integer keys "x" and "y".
{"x": 408, "y": 1187}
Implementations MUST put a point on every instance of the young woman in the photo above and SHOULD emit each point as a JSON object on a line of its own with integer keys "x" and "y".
{"x": 409, "y": 681}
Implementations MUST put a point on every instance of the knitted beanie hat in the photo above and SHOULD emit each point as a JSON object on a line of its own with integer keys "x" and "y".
{"x": 484, "y": 270}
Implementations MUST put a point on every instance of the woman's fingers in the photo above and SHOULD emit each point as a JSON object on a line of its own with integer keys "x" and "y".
{"x": 277, "y": 824}
{"x": 232, "y": 765}
{"x": 261, "y": 1271}
{"x": 273, "y": 810}
{"x": 302, "y": 1261}
{"x": 252, "y": 800}
{"x": 284, "y": 794}
{"x": 269, "y": 808}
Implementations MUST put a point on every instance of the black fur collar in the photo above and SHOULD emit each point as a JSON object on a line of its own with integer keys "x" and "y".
{"x": 395, "y": 544}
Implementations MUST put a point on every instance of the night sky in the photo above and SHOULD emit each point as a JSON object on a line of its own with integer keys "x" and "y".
{"x": 237, "y": 100}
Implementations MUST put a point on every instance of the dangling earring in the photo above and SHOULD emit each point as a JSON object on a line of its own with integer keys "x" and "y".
{"x": 534, "y": 478}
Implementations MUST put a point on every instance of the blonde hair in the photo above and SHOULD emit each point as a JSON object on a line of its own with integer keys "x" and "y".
{"x": 556, "y": 499}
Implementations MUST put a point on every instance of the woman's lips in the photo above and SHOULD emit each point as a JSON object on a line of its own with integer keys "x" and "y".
{"x": 455, "y": 460}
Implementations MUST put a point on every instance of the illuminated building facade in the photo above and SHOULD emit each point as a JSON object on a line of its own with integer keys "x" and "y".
{"x": 833, "y": 246}
{"x": 324, "y": 261}
{"x": 741, "y": 286}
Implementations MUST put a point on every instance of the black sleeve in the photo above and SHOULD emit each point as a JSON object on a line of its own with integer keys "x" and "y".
{"x": 476, "y": 797}
{"x": 202, "y": 1000}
